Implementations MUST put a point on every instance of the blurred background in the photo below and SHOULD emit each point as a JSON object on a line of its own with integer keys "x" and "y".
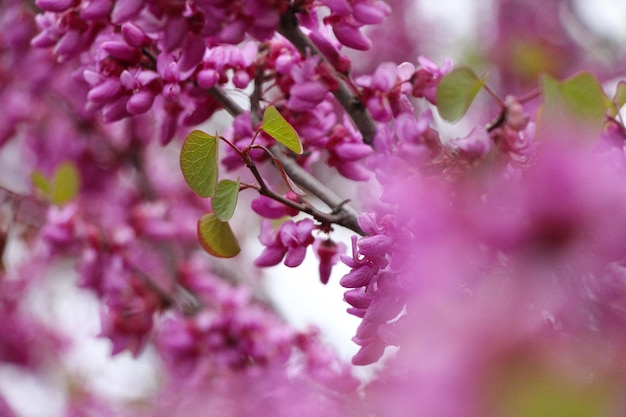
{"x": 507, "y": 39}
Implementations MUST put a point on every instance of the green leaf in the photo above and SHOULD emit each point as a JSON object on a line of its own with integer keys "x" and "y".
{"x": 225, "y": 199}
{"x": 577, "y": 104}
{"x": 62, "y": 187}
{"x": 216, "y": 237}
{"x": 620, "y": 97}
{"x": 41, "y": 182}
{"x": 277, "y": 127}
{"x": 65, "y": 184}
{"x": 542, "y": 390}
{"x": 198, "y": 161}
{"x": 456, "y": 92}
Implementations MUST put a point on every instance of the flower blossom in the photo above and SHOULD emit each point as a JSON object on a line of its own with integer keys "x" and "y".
{"x": 385, "y": 92}
{"x": 290, "y": 242}
{"x": 348, "y": 16}
{"x": 427, "y": 77}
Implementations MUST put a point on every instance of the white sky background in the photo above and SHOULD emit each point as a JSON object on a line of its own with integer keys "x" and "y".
{"x": 297, "y": 292}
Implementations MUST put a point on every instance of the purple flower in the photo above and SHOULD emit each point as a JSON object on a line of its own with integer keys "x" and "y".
{"x": 427, "y": 77}
{"x": 290, "y": 241}
{"x": 328, "y": 252}
{"x": 475, "y": 145}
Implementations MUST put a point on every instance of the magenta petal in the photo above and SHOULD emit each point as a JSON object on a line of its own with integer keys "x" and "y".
{"x": 267, "y": 236}
{"x": 120, "y": 50}
{"x": 309, "y": 90}
{"x": 69, "y": 45}
{"x": 115, "y": 110}
{"x": 369, "y": 354}
{"x": 357, "y": 298}
{"x": 270, "y": 257}
{"x": 54, "y": 5}
{"x": 126, "y": 10}
{"x": 140, "y": 102}
{"x": 357, "y": 312}
{"x": 295, "y": 256}
{"x": 174, "y": 34}
{"x": 193, "y": 51}
{"x": 287, "y": 234}
{"x": 271, "y": 209}
{"x": 358, "y": 277}
{"x": 368, "y": 14}
{"x": 105, "y": 91}
{"x": 341, "y": 7}
{"x": 97, "y": 9}
{"x": 353, "y": 151}
{"x": 133, "y": 35}
{"x": 354, "y": 171}
{"x": 241, "y": 79}
{"x": 383, "y": 308}
{"x": 233, "y": 33}
{"x": 351, "y": 37}
{"x": 304, "y": 229}
{"x": 375, "y": 245}
{"x": 207, "y": 78}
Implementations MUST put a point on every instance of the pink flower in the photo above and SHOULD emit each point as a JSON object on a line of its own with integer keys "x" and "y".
{"x": 328, "y": 253}
{"x": 475, "y": 145}
{"x": 290, "y": 241}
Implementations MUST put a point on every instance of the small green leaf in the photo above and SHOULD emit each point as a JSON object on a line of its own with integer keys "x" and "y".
{"x": 277, "y": 127}
{"x": 225, "y": 199}
{"x": 41, "y": 182}
{"x": 198, "y": 161}
{"x": 65, "y": 184}
{"x": 456, "y": 92}
{"x": 578, "y": 104}
{"x": 620, "y": 97}
{"x": 216, "y": 237}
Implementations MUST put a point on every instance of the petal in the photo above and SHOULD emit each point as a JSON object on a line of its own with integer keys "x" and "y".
{"x": 124, "y": 11}
{"x": 378, "y": 245}
{"x": 295, "y": 256}
{"x": 140, "y": 102}
{"x": 358, "y": 298}
{"x": 54, "y": 5}
{"x": 359, "y": 277}
{"x": 369, "y": 353}
{"x": 353, "y": 151}
{"x": 96, "y": 9}
{"x": 270, "y": 256}
{"x": 351, "y": 37}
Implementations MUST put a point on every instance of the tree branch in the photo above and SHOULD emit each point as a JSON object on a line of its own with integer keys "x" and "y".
{"x": 343, "y": 214}
{"x": 349, "y": 101}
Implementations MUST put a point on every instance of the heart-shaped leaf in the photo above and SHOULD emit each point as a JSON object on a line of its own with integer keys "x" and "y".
{"x": 41, "y": 182}
{"x": 198, "y": 161}
{"x": 620, "y": 97}
{"x": 456, "y": 92}
{"x": 225, "y": 199}
{"x": 64, "y": 185}
{"x": 275, "y": 125}
{"x": 577, "y": 104}
{"x": 216, "y": 237}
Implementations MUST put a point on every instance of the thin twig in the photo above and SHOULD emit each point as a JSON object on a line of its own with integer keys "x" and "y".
{"x": 343, "y": 214}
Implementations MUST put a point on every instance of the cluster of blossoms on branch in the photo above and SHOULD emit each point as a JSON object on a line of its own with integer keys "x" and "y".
{"x": 494, "y": 263}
